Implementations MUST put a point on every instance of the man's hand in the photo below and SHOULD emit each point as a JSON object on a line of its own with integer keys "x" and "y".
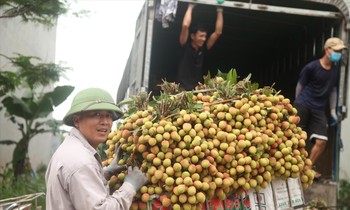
{"x": 113, "y": 168}
{"x": 135, "y": 177}
{"x": 334, "y": 117}
{"x": 191, "y": 5}
{"x": 219, "y": 9}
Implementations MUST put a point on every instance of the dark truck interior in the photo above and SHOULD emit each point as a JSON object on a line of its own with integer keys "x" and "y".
{"x": 272, "y": 46}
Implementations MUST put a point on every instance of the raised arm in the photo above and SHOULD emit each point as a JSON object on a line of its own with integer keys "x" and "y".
{"x": 186, "y": 24}
{"x": 218, "y": 28}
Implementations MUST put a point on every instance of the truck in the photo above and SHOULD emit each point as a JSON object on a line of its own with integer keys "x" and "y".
{"x": 270, "y": 39}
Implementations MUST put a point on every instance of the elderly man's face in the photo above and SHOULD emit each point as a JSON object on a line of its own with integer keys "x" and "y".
{"x": 94, "y": 125}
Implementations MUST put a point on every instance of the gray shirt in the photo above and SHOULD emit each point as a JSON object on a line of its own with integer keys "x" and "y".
{"x": 74, "y": 179}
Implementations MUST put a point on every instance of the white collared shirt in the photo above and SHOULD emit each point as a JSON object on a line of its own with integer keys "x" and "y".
{"x": 74, "y": 179}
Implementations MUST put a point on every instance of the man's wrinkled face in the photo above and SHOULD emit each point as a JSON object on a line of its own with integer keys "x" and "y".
{"x": 199, "y": 38}
{"x": 94, "y": 125}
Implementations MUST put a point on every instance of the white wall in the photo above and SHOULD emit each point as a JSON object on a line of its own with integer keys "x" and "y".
{"x": 344, "y": 172}
{"x": 28, "y": 39}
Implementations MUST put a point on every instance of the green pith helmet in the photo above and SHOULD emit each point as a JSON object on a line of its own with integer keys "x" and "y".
{"x": 92, "y": 99}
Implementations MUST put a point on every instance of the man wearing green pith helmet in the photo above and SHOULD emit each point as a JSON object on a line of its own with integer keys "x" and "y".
{"x": 75, "y": 178}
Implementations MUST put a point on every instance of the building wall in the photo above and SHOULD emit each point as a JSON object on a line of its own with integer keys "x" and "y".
{"x": 344, "y": 171}
{"x": 28, "y": 39}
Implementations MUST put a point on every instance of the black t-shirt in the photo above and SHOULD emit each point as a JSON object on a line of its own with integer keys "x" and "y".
{"x": 190, "y": 66}
{"x": 317, "y": 85}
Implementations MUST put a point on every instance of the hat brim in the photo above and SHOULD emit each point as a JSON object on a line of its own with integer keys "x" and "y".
{"x": 116, "y": 112}
{"x": 339, "y": 47}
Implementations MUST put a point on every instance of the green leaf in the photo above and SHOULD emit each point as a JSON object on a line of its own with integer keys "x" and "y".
{"x": 134, "y": 133}
{"x": 38, "y": 11}
{"x": 59, "y": 94}
{"x": 232, "y": 76}
{"x": 8, "y": 82}
{"x": 126, "y": 102}
{"x": 221, "y": 74}
{"x": 130, "y": 111}
{"x": 247, "y": 79}
{"x": 255, "y": 86}
{"x": 267, "y": 91}
{"x": 207, "y": 78}
{"x": 152, "y": 103}
{"x": 17, "y": 107}
{"x": 51, "y": 99}
{"x": 198, "y": 107}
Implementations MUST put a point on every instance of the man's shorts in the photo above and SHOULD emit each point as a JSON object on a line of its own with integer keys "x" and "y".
{"x": 314, "y": 122}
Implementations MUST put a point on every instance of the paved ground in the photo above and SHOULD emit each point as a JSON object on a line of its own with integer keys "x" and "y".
{"x": 322, "y": 190}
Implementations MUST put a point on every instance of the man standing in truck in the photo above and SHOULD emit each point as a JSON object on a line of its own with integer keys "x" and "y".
{"x": 316, "y": 88}
{"x": 190, "y": 70}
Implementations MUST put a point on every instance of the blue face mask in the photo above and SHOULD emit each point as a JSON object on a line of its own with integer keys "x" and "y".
{"x": 335, "y": 56}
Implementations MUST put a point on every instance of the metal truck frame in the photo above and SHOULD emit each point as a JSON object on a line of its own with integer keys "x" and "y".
{"x": 271, "y": 39}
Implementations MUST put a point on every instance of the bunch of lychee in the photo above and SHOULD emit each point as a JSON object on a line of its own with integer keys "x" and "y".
{"x": 229, "y": 146}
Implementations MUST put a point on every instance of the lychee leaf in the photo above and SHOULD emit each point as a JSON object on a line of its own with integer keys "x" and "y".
{"x": 207, "y": 78}
{"x": 130, "y": 111}
{"x": 221, "y": 74}
{"x": 126, "y": 101}
{"x": 255, "y": 86}
{"x": 267, "y": 91}
{"x": 232, "y": 76}
{"x": 134, "y": 132}
{"x": 198, "y": 106}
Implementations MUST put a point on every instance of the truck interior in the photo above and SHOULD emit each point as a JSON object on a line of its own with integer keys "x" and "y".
{"x": 271, "y": 44}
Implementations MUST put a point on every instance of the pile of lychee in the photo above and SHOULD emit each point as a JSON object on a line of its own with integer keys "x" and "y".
{"x": 226, "y": 146}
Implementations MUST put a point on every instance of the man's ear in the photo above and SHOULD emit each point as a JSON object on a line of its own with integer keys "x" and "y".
{"x": 192, "y": 35}
{"x": 75, "y": 119}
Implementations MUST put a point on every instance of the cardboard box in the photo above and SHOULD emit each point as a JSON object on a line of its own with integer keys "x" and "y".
{"x": 295, "y": 192}
{"x": 233, "y": 202}
{"x": 281, "y": 194}
{"x": 215, "y": 204}
{"x": 246, "y": 204}
{"x": 262, "y": 200}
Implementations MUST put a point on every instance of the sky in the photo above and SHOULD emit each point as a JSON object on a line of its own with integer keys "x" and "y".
{"x": 96, "y": 47}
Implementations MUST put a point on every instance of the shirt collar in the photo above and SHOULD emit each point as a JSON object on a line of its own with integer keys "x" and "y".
{"x": 76, "y": 133}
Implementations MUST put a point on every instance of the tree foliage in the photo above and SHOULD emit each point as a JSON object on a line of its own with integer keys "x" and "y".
{"x": 41, "y": 11}
{"x": 28, "y": 73}
{"x": 29, "y": 112}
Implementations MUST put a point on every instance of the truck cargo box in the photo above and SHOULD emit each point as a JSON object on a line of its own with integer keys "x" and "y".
{"x": 271, "y": 39}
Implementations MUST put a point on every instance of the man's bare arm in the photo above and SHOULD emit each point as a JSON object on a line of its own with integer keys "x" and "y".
{"x": 218, "y": 28}
{"x": 186, "y": 25}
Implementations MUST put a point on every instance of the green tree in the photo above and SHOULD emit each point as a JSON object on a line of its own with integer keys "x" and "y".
{"x": 42, "y": 11}
{"x": 30, "y": 111}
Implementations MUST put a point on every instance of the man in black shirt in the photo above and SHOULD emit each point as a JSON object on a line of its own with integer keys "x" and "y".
{"x": 316, "y": 88}
{"x": 193, "y": 50}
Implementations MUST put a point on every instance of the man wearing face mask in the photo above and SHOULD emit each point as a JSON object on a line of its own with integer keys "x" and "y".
{"x": 316, "y": 88}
